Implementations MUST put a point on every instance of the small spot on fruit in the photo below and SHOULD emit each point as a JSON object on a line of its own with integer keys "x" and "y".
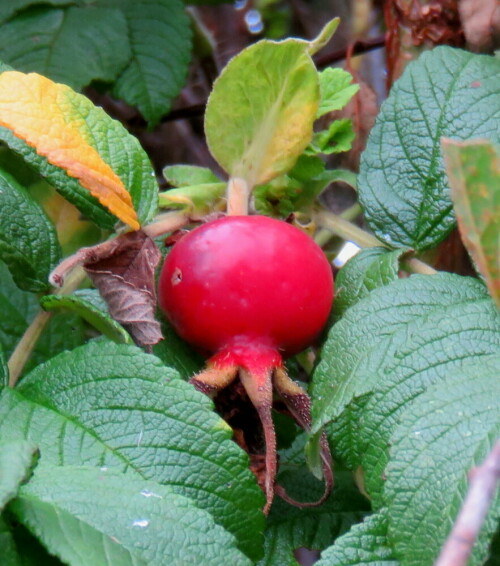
{"x": 176, "y": 276}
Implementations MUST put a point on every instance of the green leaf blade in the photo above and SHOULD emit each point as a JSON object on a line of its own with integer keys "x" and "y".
{"x": 336, "y": 90}
{"x": 402, "y": 182}
{"x": 75, "y": 45}
{"x": 16, "y": 461}
{"x": 368, "y": 326}
{"x": 473, "y": 170}
{"x": 365, "y": 544}
{"x": 160, "y": 40}
{"x": 129, "y": 522}
{"x": 88, "y": 304}
{"x": 135, "y": 414}
{"x": 367, "y": 270}
{"x": 450, "y": 429}
{"x": 28, "y": 240}
{"x": 260, "y": 114}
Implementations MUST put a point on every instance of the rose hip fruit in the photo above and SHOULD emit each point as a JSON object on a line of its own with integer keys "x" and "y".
{"x": 250, "y": 290}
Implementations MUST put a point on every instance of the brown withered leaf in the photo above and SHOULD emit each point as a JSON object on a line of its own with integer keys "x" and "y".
{"x": 124, "y": 275}
{"x": 123, "y": 270}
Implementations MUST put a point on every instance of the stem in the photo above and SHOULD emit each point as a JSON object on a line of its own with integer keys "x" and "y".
{"x": 238, "y": 194}
{"x": 483, "y": 482}
{"x": 349, "y": 231}
{"x": 25, "y": 346}
{"x": 324, "y": 235}
{"x": 168, "y": 222}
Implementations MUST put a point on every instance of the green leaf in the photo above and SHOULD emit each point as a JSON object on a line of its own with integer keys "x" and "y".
{"x": 18, "y": 308}
{"x": 364, "y": 545}
{"x": 119, "y": 149}
{"x": 473, "y": 170}
{"x": 112, "y": 405}
{"x": 16, "y": 462}
{"x": 260, "y": 114}
{"x": 450, "y": 429}
{"x": 4, "y": 370}
{"x": 8, "y": 552}
{"x": 160, "y": 40}
{"x": 87, "y": 304}
{"x": 336, "y": 90}
{"x": 186, "y": 175}
{"x": 29, "y": 549}
{"x": 367, "y": 270}
{"x": 28, "y": 240}
{"x": 402, "y": 182}
{"x": 375, "y": 383}
{"x": 176, "y": 353}
{"x": 74, "y": 46}
{"x": 290, "y": 528}
{"x": 336, "y": 139}
{"x": 357, "y": 344}
{"x": 129, "y": 521}
{"x": 8, "y": 9}
{"x": 196, "y": 200}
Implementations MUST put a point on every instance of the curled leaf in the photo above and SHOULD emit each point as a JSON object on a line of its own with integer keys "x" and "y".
{"x": 123, "y": 270}
{"x": 47, "y": 116}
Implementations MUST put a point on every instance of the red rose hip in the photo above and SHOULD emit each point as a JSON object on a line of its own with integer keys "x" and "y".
{"x": 250, "y": 290}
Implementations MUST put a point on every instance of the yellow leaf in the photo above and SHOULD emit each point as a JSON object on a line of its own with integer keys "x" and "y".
{"x": 42, "y": 113}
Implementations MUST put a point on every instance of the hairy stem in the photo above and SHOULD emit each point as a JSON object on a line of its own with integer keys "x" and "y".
{"x": 238, "y": 194}
{"x": 164, "y": 223}
{"x": 349, "y": 231}
{"x": 25, "y": 346}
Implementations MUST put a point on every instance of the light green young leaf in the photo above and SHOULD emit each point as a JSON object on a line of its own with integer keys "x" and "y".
{"x": 28, "y": 240}
{"x": 113, "y": 405}
{"x": 87, "y": 304}
{"x": 18, "y": 308}
{"x": 114, "y": 518}
{"x": 336, "y": 139}
{"x": 336, "y": 90}
{"x": 473, "y": 170}
{"x": 197, "y": 200}
{"x": 450, "y": 429}
{"x": 186, "y": 175}
{"x": 402, "y": 182}
{"x": 369, "y": 269}
{"x": 364, "y": 545}
{"x": 74, "y": 45}
{"x": 323, "y": 37}
{"x": 16, "y": 463}
{"x": 160, "y": 40}
{"x": 260, "y": 115}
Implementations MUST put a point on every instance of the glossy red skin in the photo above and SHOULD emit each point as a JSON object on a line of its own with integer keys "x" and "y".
{"x": 245, "y": 283}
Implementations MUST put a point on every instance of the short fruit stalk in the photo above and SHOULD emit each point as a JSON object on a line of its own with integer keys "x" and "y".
{"x": 251, "y": 291}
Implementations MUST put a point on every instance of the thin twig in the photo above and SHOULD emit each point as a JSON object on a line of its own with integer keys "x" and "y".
{"x": 28, "y": 341}
{"x": 359, "y": 47}
{"x": 483, "y": 482}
